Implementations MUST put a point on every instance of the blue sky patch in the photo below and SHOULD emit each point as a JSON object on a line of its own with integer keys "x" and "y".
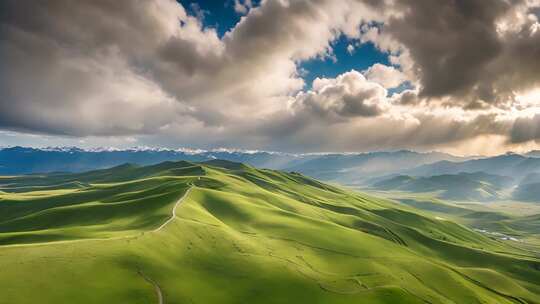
{"x": 221, "y": 16}
{"x": 362, "y": 57}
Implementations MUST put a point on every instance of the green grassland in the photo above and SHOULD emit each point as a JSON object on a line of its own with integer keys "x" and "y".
{"x": 516, "y": 222}
{"x": 478, "y": 186}
{"x": 222, "y": 232}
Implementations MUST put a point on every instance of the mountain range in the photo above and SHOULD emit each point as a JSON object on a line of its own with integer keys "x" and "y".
{"x": 453, "y": 177}
{"x": 348, "y": 168}
{"x": 476, "y": 186}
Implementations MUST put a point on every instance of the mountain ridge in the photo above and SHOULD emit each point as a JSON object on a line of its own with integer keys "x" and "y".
{"x": 287, "y": 236}
{"x": 24, "y": 160}
{"x": 351, "y": 169}
{"x": 477, "y": 186}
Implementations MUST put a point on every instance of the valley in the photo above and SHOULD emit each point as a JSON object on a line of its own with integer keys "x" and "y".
{"x": 225, "y": 232}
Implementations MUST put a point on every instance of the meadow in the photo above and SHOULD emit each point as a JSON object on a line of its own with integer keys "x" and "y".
{"x": 224, "y": 232}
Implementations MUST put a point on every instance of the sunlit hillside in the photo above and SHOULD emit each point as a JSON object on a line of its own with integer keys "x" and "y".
{"x": 223, "y": 232}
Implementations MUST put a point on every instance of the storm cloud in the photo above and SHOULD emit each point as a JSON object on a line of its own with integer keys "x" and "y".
{"x": 478, "y": 52}
{"x": 151, "y": 72}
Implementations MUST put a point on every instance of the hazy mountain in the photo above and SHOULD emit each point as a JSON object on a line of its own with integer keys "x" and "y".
{"x": 525, "y": 171}
{"x": 343, "y": 168}
{"x": 534, "y": 153}
{"x": 19, "y": 160}
{"x": 476, "y": 186}
{"x": 359, "y": 169}
{"x": 355, "y": 169}
{"x": 512, "y": 165}
{"x": 528, "y": 189}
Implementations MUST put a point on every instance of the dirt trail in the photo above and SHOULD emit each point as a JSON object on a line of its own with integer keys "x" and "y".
{"x": 173, "y": 215}
{"x": 155, "y": 285}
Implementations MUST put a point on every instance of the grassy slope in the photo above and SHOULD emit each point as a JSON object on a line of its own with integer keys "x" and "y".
{"x": 240, "y": 236}
{"x": 499, "y": 220}
{"x": 477, "y": 186}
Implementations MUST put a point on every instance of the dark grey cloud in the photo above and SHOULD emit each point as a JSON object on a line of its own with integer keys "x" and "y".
{"x": 407, "y": 98}
{"x": 460, "y": 49}
{"x": 525, "y": 129}
{"x": 72, "y": 69}
{"x": 70, "y": 60}
{"x": 147, "y": 69}
{"x": 424, "y": 131}
{"x": 347, "y": 96}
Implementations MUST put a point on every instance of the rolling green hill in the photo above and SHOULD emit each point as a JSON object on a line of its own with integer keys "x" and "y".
{"x": 223, "y": 232}
{"x": 477, "y": 186}
{"x": 528, "y": 189}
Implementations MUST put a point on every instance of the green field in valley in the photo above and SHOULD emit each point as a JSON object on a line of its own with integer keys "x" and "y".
{"x": 223, "y": 232}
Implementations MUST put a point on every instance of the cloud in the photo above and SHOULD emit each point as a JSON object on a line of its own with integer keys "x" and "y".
{"x": 477, "y": 52}
{"x": 407, "y": 98}
{"x": 242, "y": 7}
{"x": 525, "y": 129}
{"x": 348, "y": 95}
{"x": 388, "y": 76}
{"x": 148, "y": 70}
{"x": 71, "y": 60}
{"x": 64, "y": 73}
{"x": 414, "y": 129}
{"x": 350, "y": 49}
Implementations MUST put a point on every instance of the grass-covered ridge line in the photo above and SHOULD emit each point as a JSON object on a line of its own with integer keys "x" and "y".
{"x": 240, "y": 235}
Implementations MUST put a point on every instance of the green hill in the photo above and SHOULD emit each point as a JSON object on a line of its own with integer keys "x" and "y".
{"x": 528, "y": 189}
{"x": 223, "y": 232}
{"x": 476, "y": 186}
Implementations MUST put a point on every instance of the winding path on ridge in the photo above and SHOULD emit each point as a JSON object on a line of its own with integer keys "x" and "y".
{"x": 173, "y": 215}
{"x": 159, "y": 293}
{"x": 157, "y": 289}
{"x": 156, "y": 286}
{"x": 169, "y": 220}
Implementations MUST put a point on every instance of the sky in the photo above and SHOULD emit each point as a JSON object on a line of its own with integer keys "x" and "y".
{"x": 284, "y": 75}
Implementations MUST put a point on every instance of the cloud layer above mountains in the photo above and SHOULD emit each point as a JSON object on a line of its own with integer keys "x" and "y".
{"x": 149, "y": 71}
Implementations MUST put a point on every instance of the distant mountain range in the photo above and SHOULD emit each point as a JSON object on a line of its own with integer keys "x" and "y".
{"x": 513, "y": 165}
{"x": 22, "y": 160}
{"x": 454, "y": 177}
{"x": 511, "y": 176}
{"x": 476, "y": 186}
{"x": 344, "y": 168}
{"x": 358, "y": 169}
{"x": 529, "y": 188}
